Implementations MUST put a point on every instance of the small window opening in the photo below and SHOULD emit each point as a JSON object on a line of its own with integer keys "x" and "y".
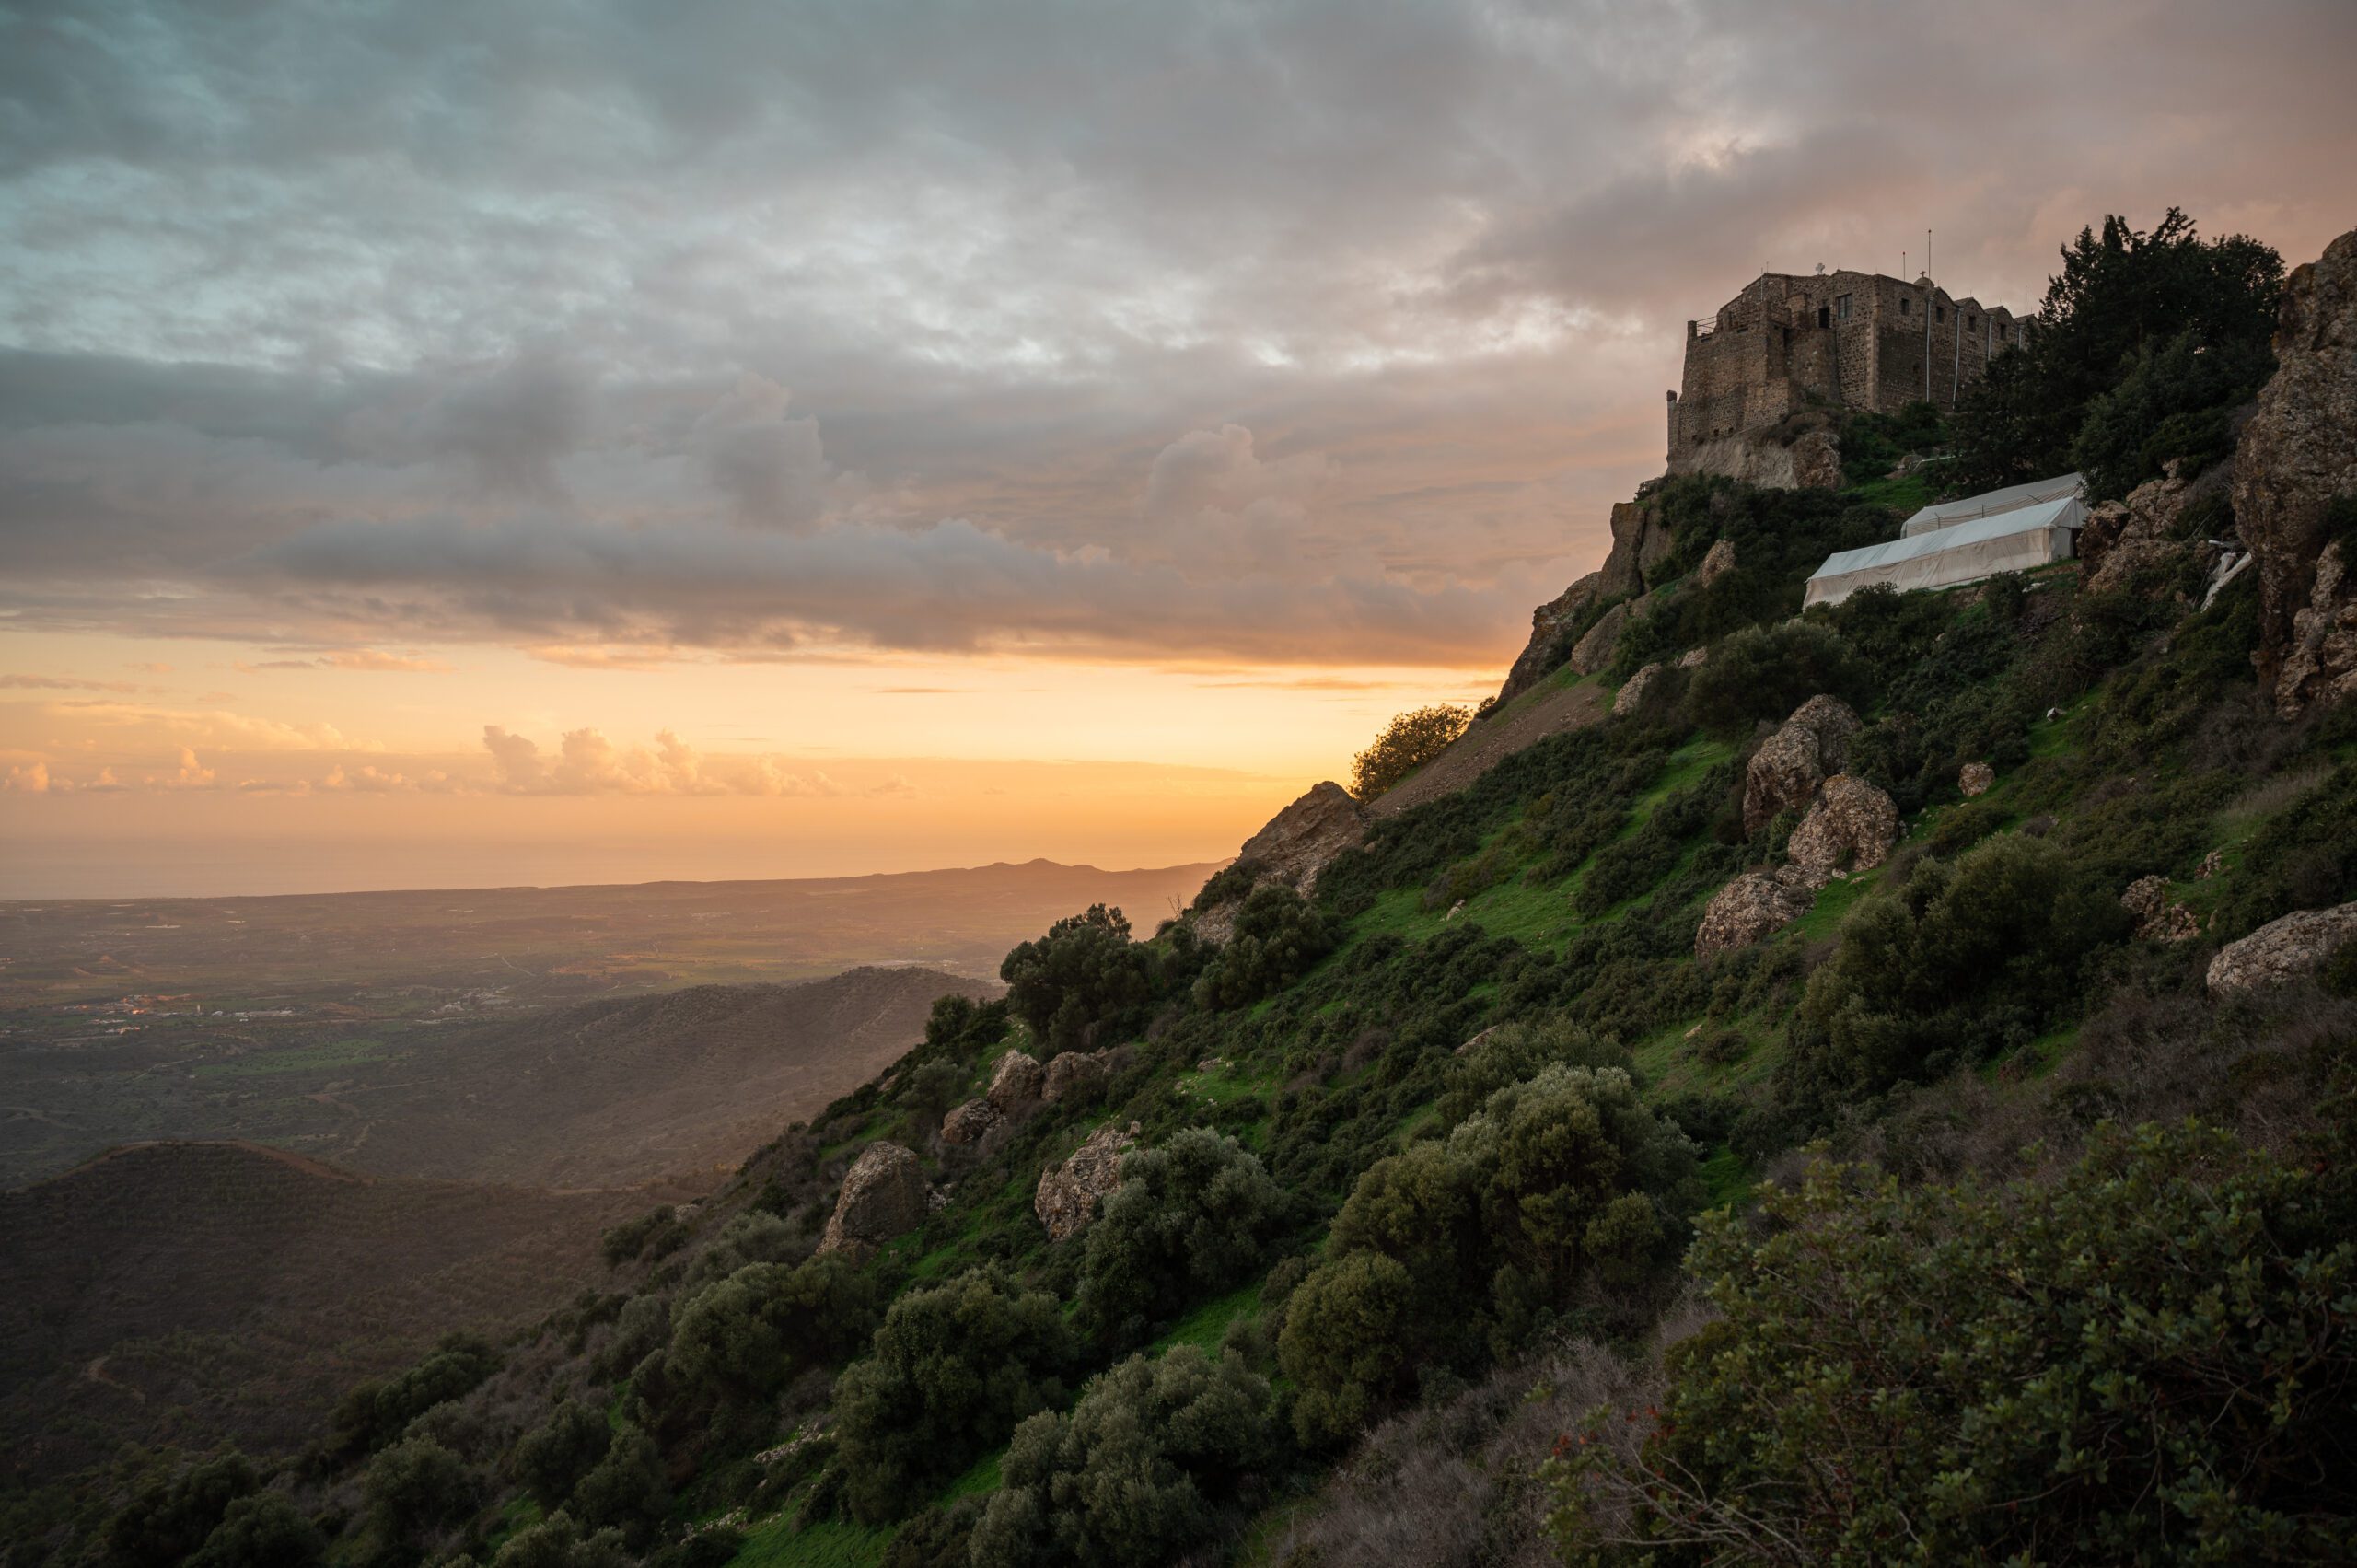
{"x": 1842, "y": 307}
{"x": 1823, "y": 315}
{"x": 1906, "y": 305}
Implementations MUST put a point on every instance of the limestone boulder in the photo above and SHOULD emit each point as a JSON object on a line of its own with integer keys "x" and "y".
{"x": 1077, "y": 1075}
{"x": 2122, "y": 538}
{"x": 1016, "y": 1082}
{"x": 884, "y": 1194}
{"x": 1541, "y": 655}
{"x": 2158, "y": 917}
{"x": 1692, "y": 658}
{"x": 1717, "y": 563}
{"x": 1631, "y": 694}
{"x": 1851, "y": 827}
{"x": 1976, "y": 778}
{"x": 1817, "y": 462}
{"x": 2297, "y": 455}
{"x": 2299, "y": 944}
{"x": 1594, "y": 651}
{"x": 1791, "y": 764}
{"x": 1068, "y": 1193}
{"x": 1295, "y": 848}
{"x": 1749, "y": 907}
{"x": 969, "y": 1121}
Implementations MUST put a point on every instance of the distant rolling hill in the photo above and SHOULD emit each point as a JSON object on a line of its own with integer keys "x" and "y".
{"x": 628, "y": 1089}
{"x": 186, "y": 1292}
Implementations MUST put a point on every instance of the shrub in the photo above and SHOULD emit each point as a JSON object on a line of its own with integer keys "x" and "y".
{"x": 1341, "y": 1344}
{"x": 1765, "y": 673}
{"x": 2144, "y": 1361}
{"x": 654, "y": 1233}
{"x": 551, "y": 1458}
{"x": 740, "y": 1339}
{"x": 1083, "y": 984}
{"x": 627, "y": 1489}
{"x": 416, "y": 1490}
{"x": 1134, "y": 1475}
{"x": 953, "y": 1369}
{"x": 1277, "y": 937}
{"x": 374, "y": 1412}
{"x": 167, "y": 1520}
{"x": 1407, "y": 743}
{"x": 2170, "y": 403}
{"x": 1190, "y": 1219}
{"x": 558, "y": 1542}
{"x": 263, "y": 1530}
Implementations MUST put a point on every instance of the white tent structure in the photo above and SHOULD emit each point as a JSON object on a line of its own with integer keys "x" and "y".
{"x": 2014, "y": 540}
{"x": 2013, "y": 498}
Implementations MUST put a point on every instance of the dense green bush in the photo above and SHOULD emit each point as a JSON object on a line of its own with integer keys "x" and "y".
{"x": 1190, "y": 1219}
{"x": 1767, "y": 673}
{"x": 375, "y": 1412}
{"x": 654, "y": 1234}
{"x": 1277, "y": 937}
{"x": 1407, "y": 743}
{"x": 551, "y": 1458}
{"x": 417, "y": 1492}
{"x": 2149, "y": 1360}
{"x": 1956, "y": 962}
{"x": 168, "y": 1518}
{"x": 1451, "y": 1252}
{"x": 1083, "y": 984}
{"x": 1135, "y": 1474}
{"x": 558, "y": 1541}
{"x": 954, "y": 1368}
{"x": 2171, "y": 404}
{"x": 740, "y": 1338}
{"x": 627, "y": 1489}
{"x": 263, "y": 1530}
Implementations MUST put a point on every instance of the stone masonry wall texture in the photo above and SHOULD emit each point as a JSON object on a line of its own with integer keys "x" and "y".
{"x": 1844, "y": 340}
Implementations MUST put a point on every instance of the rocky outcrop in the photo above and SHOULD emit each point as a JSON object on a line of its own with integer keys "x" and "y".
{"x": 1594, "y": 651}
{"x": 2297, "y": 455}
{"x": 1543, "y": 653}
{"x": 1016, "y": 1082}
{"x": 1692, "y": 658}
{"x": 2124, "y": 538}
{"x": 1077, "y": 1076}
{"x": 1811, "y": 460}
{"x": 1750, "y": 906}
{"x": 884, "y": 1194}
{"x": 1717, "y": 563}
{"x": 2299, "y": 944}
{"x": 1851, "y": 827}
{"x": 2320, "y": 664}
{"x": 1976, "y": 778}
{"x": 969, "y": 1121}
{"x": 1632, "y": 690}
{"x": 1068, "y": 1193}
{"x": 1791, "y": 764}
{"x": 1298, "y": 843}
{"x": 2158, "y": 918}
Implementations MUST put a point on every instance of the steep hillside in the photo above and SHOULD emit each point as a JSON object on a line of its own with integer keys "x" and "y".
{"x": 190, "y": 1293}
{"x": 1878, "y": 1089}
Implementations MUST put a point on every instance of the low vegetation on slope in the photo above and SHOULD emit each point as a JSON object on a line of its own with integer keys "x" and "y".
{"x": 1443, "y": 1235}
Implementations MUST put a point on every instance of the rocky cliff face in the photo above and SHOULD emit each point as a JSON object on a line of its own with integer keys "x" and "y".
{"x": 2296, "y": 457}
{"x": 1297, "y": 844}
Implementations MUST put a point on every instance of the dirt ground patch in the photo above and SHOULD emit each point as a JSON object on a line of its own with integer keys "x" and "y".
{"x": 1483, "y": 746}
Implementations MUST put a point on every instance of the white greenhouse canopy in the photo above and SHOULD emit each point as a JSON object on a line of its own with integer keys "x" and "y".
{"x": 2013, "y": 497}
{"x": 2015, "y": 540}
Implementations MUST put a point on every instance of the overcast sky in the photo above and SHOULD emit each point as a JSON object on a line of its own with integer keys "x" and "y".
{"x": 783, "y": 343}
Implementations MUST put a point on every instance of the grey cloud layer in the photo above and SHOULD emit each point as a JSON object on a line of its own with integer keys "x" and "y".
{"x": 1293, "y": 330}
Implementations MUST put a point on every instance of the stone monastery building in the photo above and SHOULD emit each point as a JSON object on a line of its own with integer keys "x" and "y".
{"x": 1856, "y": 341}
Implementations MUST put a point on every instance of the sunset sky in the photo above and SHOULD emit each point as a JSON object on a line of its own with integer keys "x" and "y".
{"x": 464, "y": 444}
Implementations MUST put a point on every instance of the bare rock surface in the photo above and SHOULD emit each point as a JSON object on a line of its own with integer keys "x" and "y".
{"x": 1296, "y": 846}
{"x": 969, "y": 1121}
{"x": 1538, "y": 658}
{"x": 2122, "y": 538}
{"x": 1075, "y": 1075}
{"x": 1976, "y": 778}
{"x": 2299, "y": 944}
{"x": 1014, "y": 1083}
{"x": 2158, "y": 918}
{"x": 2296, "y": 456}
{"x": 1632, "y": 690}
{"x": 1068, "y": 1193}
{"x": 1785, "y": 772}
{"x": 1717, "y": 563}
{"x": 884, "y": 1194}
{"x": 1620, "y": 575}
{"x": 1851, "y": 827}
{"x": 1594, "y": 651}
{"x": 1750, "y": 906}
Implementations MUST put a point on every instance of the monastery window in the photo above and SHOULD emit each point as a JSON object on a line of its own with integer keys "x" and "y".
{"x": 1842, "y": 307}
{"x": 1906, "y": 305}
{"x": 1822, "y": 315}
{"x": 1972, "y": 323}
{"x": 1939, "y": 312}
